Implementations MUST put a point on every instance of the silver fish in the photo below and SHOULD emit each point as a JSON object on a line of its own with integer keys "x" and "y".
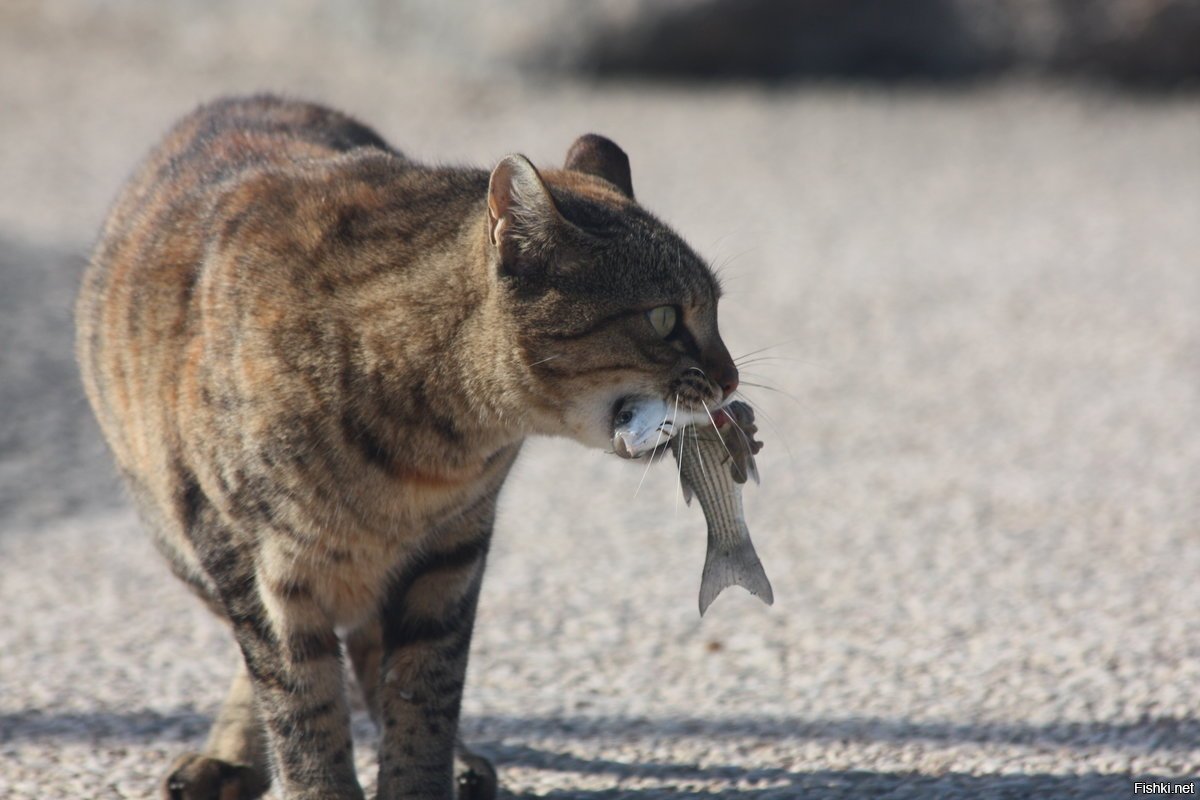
{"x": 714, "y": 462}
{"x": 715, "y": 456}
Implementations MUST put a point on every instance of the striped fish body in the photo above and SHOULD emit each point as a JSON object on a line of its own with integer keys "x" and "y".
{"x": 707, "y": 468}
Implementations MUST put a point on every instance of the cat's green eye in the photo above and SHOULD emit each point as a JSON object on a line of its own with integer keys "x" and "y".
{"x": 663, "y": 320}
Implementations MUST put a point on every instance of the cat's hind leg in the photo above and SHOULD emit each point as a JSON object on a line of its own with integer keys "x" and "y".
{"x": 234, "y": 764}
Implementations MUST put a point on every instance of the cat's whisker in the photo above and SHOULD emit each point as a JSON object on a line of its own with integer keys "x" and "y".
{"x": 645, "y": 472}
{"x": 756, "y": 376}
{"x": 722, "y": 272}
{"x": 650, "y": 462}
{"x": 544, "y": 360}
{"x": 760, "y": 359}
{"x": 770, "y": 421}
{"x": 768, "y": 347}
{"x": 714, "y": 423}
{"x": 751, "y": 383}
{"x": 679, "y": 470}
{"x": 729, "y": 259}
{"x": 741, "y": 432}
{"x": 699, "y": 455}
{"x": 788, "y": 395}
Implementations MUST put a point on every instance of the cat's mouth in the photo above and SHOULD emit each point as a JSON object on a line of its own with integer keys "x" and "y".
{"x": 643, "y": 424}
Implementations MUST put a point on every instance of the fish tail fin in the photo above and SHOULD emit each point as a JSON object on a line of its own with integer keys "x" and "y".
{"x": 740, "y": 566}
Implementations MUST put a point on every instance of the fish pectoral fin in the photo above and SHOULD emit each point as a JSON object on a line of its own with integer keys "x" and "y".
{"x": 688, "y": 494}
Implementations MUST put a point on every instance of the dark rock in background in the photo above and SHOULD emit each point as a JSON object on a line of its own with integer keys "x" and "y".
{"x": 1129, "y": 41}
{"x": 775, "y": 39}
{"x": 1132, "y": 42}
{"x": 1137, "y": 41}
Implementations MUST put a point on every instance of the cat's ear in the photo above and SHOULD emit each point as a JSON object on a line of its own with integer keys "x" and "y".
{"x": 601, "y": 157}
{"x": 523, "y": 221}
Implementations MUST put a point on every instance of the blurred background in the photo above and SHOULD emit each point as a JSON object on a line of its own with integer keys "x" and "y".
{"x": 961, "y": 241}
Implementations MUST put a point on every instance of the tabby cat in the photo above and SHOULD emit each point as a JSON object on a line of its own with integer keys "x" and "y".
{"x": 315, "y": 362}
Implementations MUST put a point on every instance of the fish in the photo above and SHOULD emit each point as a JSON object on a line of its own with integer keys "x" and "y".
{"x": 715, "y": 457}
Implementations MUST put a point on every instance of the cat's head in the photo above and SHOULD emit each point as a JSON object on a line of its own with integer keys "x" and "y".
{"x": 602, "y": 301}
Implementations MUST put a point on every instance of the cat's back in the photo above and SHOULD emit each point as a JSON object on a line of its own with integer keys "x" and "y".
{"x": 220, "y": 142}
{"x": 136, "y": 309}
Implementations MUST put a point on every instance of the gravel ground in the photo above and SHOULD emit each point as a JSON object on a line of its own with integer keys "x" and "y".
{"x": 980, "y": 501}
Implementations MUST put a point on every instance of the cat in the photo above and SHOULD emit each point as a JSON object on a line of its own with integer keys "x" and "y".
{"x": 315, "y": 361}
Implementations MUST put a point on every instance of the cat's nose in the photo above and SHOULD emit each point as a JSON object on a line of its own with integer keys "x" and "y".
{"x": 720, "y": 367}
{"x": 727, "y": 378}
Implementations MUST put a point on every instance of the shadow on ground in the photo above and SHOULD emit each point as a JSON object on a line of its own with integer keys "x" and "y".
{"x": 184, "y": 724}
{"x": 1148, "y": 733}
{"x": 828, "y": 785}
{"x": 51, "y": 453}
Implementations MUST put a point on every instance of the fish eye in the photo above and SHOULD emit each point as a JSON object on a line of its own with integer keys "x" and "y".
{"x": 662, "y": 319}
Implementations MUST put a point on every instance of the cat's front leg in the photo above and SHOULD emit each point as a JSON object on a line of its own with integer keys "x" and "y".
{"x": 427, "y": 621}
{"x": 474, "y": 774}
{"x": 293, "y": 658}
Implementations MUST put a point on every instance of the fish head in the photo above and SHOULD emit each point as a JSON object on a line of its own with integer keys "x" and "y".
{"x": 640, "y": 425}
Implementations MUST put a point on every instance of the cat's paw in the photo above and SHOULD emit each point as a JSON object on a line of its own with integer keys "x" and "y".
{"x": 195, "y": 776}
{"x": 475, "y": 777}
